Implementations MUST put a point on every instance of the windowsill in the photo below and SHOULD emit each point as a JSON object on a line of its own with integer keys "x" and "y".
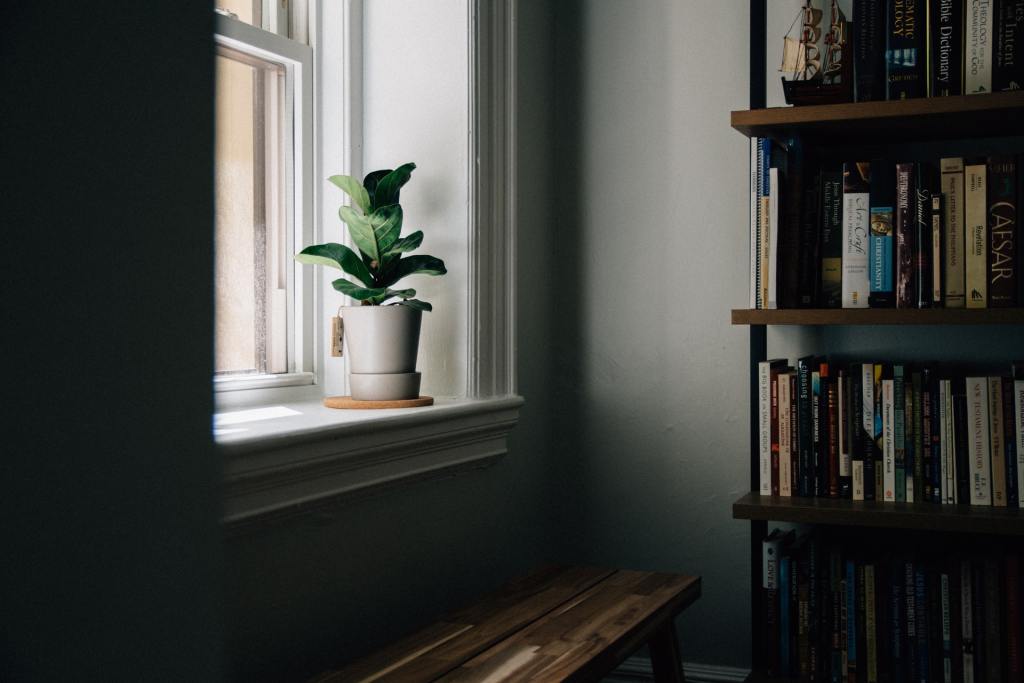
{"x": 311, "y": 455}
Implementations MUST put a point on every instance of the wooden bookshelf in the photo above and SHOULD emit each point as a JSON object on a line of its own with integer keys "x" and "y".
{"x": 879, "y": 316}
{"x": 966, "y": 116}
{"x": 916, "y": 516}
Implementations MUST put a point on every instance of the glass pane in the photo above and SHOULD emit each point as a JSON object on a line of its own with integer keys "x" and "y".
{"x": 248, "y": 11}
{"x": 251, "y": 219}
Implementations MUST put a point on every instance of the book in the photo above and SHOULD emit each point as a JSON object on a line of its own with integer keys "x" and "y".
{"x": 978, "y": 30}
{"x": 869, "y": 82}
{"x": 833, "y": 430}
{"x": 755, "y": 223}
{"x": 937, "y": 250}
{"x": 952, "y": 169}
{"x": 963, "y": 434}
{"x": 845, "y": 421}
{"x": 899, "y": 412}
{"x": 871, "y": 624}
{"x": 785, "y": 448}
{"x": 772, "y": 269}
{"x": 772, "y": 547}
{"x": 993, "y": 620}
{"x": 905, "y": 231}
{"x": 881, "y": 371}
{"x": 976, "y": 236}
{"x": 816, "y": 467}
{"x": 925, "y": 182}
{"x": 858, "y": 433}
{"x": 880, "y": 237}
{"x": 888, "y": 443}
{"x": 946, "y": 36}
{"x": 808, "y": 262}
{"x": 765, "y": 370}
{"x": 794, "y": 452}
{"x": 785, "y": 578}
{"x": 831, "y": 238}
{"x": 967, "y": 620}
{"x": 764, "y": 210}
{"x": 1002, "y": 264}
{"x": 805, "y": 425}
{"x": 1007, "y": 60}
{"x": 1018, "y": 425}
{"x": 852, "y": 625}
{"x": 856, "y": 220}
{"x": 1014, "y": 658}
{"x": 995, "y": 435}
{"x": 905, "y": 50}
{"x": 978, "y": 429}
{"x": 1010, "y": 445}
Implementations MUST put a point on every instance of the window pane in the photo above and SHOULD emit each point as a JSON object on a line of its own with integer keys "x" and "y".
{"x": 248, "y": 11}
{"x": 251, "y": 216}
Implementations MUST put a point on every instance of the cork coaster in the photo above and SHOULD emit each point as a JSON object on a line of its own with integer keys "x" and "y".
{"x": 349, "y": 402}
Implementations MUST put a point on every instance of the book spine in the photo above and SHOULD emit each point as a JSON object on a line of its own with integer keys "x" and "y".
{"x": 904, "y": 228}
{"x": 978, "y": 30}
{"x": 978, "y": 620}
{"x": 921, "y": 605}
{"x": 765, "y": 426}
{"x": 937, "y": 248}
{"x": 871, "y": 624}
{"x": 856, "y": 220}
{"x": 917, "y": 434}
{"x": 946, "y": 616}
{"x": 899, "y": 413}
{"x": 976, "y": 235}
{"x": 869, "y": 50}
{"x": 794, "y": 452}
{"x": 994, "y": 599}
{"x": 1002, "y": 232}
{"x": 814, "y": 484}
{"x": 880, "y": 238}
{"x": 845, "y": 426}
{"x": 935, "y": 446}
{"x": 978, "y": 426}
{"x": 1018, "y": 424}
{"x": 962, "y": 464}
{"x": 1010, "y": 445}
{"x": 775, "y": 434}
{"x": 869, "y": 443}
{"x": 773, "y": 239}
{"x": 910, "y": 600}
{"x": 905, "y": 50}
{"x": 995, "y": 435}
{"x": 881, "y": 371}
{"x": 857, "y": 432}
{"x": 755, "y": 223}
{"x": 785, "y": 577}
{"x": 785, "y": 448}
{"x": 967, "y": 620}
{"x": 922, "y": 236}
{"x": 833, "y": 392}
{"x": 1007, "y": 60}
{"x": 809, "y": 248}
{"x": 831, "y": 238}
{"x": 946, "y": 36}
{"x": 851, "y": 621}
{"x": 888, "y": 448}
{"x": 1014, "y": 660}
{"x": 804, "y": 425}
{"x": 953, "y": 225}
{"x": 771, "y": 548}
{"x": 793, "y": 193}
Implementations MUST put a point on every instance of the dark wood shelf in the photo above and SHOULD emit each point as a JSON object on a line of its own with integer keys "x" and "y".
{"x": 933, "y": 118}
{"x": 843, "y": 512}
{"x": 879, "y": 316}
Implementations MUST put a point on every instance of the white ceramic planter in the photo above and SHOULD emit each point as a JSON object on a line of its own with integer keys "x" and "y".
{"x": 382, "y": 343}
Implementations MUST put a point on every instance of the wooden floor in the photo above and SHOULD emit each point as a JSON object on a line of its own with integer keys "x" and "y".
{"x": 561, "y": 623}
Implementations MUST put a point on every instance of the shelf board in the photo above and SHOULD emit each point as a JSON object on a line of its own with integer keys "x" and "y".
{"x": 964, "y": 116}
{"x": 879, "y": 316}
{"x": 844, "y": 512}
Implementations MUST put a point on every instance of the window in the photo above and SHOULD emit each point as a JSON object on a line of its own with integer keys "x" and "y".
{"x": 264, "y": 204}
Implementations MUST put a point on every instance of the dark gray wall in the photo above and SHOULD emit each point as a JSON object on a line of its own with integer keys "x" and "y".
{"x": 110, "y": 540}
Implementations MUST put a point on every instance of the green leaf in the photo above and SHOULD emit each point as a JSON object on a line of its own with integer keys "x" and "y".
{"x": 425, "y": 265}
{"x": 404, "y": 293}
{"x": 389, "y": 187}
{"x": 336, "y": 256}
{"x": 354, "y": 189}
{"x": 356, "y": 292}
{"x": 361, "y": 230}
{"x": 387, "y": 226}
{"x": 370, "y": 183}
{"x": 407, "y": 243}
{"x": 414, "y": 303}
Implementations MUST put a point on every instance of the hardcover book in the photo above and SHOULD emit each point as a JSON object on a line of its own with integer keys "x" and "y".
{"x": 880, "y": 239}
{"x": 905, "y": 228}
{"x": 995, "y": 435}
{"x": 979, "y": 25}
{"x": 947, "y": 47}
{"x": 832, "y": 238}
{"x": 1002, "y": 231}
{"x": 953, "y": 215}
{"x": 978, "y": 429}
{"x": 976, "y": 235}
{"x": 856, "y": 223}
{"x": 925, "y": 182}
{"x": 1008, "y": 65}
{"x": 937, "y": 249}
{"x": 869, "y": 50}
{"x": 905, "y": 50}
{"x": 765, "y": 371}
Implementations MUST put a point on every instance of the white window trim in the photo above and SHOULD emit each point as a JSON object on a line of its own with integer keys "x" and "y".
{"x": 298, "y": 61}
{"x": 297, "y": 470}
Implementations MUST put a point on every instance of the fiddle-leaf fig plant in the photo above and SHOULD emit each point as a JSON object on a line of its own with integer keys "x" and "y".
{"x": 375, "y": 224}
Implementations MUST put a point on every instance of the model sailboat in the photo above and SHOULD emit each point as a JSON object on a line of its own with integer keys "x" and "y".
{"x": 817, "y": 66}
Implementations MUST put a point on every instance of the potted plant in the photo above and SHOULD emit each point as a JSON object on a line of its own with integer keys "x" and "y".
{"x": 381, "y": 334}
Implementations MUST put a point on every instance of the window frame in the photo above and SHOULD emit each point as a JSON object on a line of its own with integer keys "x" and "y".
{"x": 297, "y": 61}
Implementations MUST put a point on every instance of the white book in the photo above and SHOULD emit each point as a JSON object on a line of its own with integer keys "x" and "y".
{"x": 867, "y": 381}
{"x": 1018, "y": 420}
{"x": 755, "y": 234}
{"x": 978, "y": 452}
{"x": 856, "y": 222}
{"x": 785, "y": 445}
{"x": 979, "y": 29}
{"x": 943, "y": 441}
{"x": 764, "y": 411}
{"x": 976, "y": 236}
{"x": 773, "y": 238}
{"x": 995, "y": 438}
{"x": 888, "y": 442}
{"x": 953, "y": 211}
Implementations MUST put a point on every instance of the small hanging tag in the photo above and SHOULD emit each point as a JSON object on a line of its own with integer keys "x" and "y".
{"x": 337, "y": 337}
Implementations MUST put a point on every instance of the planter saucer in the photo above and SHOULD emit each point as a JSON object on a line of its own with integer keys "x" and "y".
{"x": 349, "y": 402}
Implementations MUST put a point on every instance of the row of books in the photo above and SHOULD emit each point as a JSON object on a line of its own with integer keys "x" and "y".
{"x": 905, "y": 48}
{"x": 890, "y": 432}
{"x": 845, "y": 615}
{"x": 885, "y": 234}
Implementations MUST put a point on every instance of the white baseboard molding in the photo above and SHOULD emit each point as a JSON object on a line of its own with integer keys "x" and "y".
{"x": 639, "y": 669}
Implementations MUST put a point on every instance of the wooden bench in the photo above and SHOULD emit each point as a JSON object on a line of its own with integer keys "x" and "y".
{"x": 560, "y": 623}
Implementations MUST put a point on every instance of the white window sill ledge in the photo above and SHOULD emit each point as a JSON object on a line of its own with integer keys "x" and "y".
{"x": 316, "y": 455}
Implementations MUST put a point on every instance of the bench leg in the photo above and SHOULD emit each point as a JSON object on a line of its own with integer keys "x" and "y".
{"x": 665, "y": 660}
